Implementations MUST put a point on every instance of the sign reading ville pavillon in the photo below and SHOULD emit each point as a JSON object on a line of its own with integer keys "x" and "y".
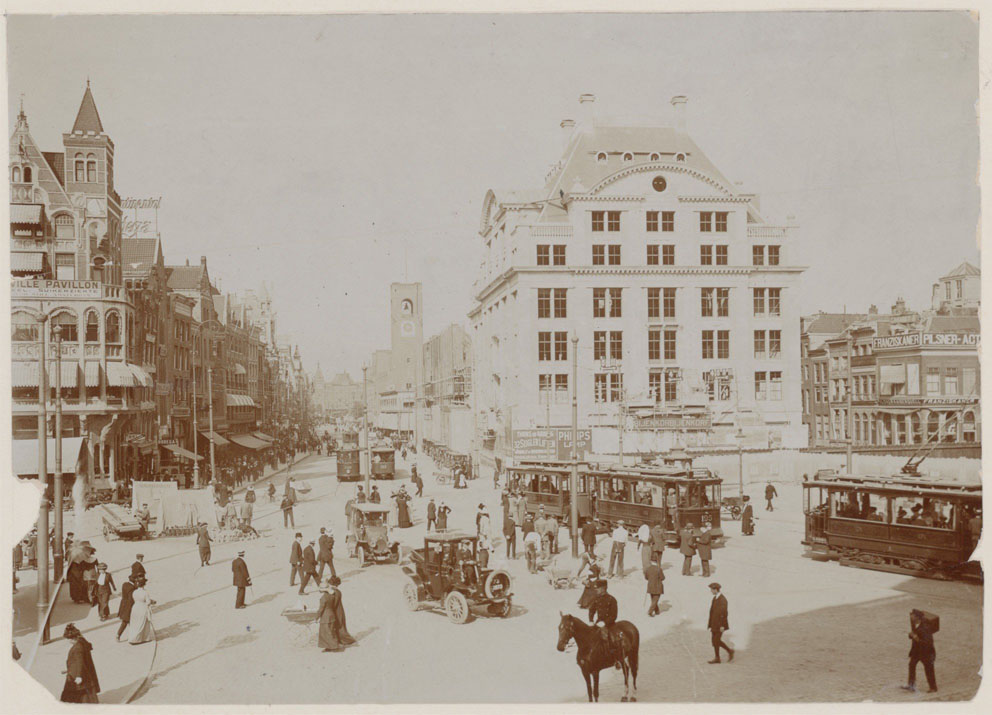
{"x": 44, "y": 288}
{"x": 909, "y": 340}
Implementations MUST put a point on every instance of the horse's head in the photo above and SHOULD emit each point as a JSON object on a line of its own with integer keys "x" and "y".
{"x": 565, "y": 632}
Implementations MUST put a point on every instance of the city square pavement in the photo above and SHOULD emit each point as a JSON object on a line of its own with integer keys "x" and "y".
{"x": 792, "y": 619}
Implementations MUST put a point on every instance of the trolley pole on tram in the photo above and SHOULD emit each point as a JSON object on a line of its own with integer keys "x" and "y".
{"x": 573, "y": 482}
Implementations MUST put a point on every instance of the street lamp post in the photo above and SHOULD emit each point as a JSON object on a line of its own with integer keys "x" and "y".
{"x": 57, "y": 486}
{"x": 196, "y": 461}
{"x": 42, "y": 543}
{"x": 740, "y": 459}
{"x": 365, "y": 427}
{"x": 210, "y": 390}
{"x": 573, "y": 480}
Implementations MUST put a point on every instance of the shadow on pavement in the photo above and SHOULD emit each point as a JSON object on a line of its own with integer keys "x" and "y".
{"x": 176, "y": 629}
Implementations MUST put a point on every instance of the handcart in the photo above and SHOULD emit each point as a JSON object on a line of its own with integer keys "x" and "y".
{"x": 303, "y": 626}
{"x": 120, "y": 522}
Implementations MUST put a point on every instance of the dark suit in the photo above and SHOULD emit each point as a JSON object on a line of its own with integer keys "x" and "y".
{"x": 295, "y": 562}
{"x": 309, "y": 568}
{"x": 704, "y": 548}
{"x": 655, "y": 577}
{"x": 241, "y": 580}
{"x": 326, "y": 555}
{"x": 431, "y": 515}
{"x": 717, "y": 624}
{"x": 589, "y": 537}
{"x": 687, "y": 546}
{"x": 604, "y": 608}
{"x": 657, "y": 541}
{"x": 510, "y": 534}
{"x": 127, "y": 601}
{"x": 922, "y": 651}
{"x": 137, "y": 569}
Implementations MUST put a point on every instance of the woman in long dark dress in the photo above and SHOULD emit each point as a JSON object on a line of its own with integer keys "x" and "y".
{"x": 403, "y": 510}
{"x": 81, "y": 683}
{"x": 333, "y": 635}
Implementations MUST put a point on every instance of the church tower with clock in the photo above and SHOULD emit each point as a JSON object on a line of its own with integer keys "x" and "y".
{"x": 406, "y": 333}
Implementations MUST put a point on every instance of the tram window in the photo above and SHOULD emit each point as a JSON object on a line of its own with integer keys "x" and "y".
{"x": 859, "y": 505}
{"x": 672, "y": 497}
{"x": 642, "y": 493}
{"x": 922, "y": 511}
{"x": 714, "y": 491}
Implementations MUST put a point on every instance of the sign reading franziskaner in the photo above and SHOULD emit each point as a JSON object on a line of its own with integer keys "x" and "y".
{"x": 908, "y": 340}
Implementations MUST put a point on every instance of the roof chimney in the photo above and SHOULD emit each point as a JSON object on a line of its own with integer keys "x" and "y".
{"x": 678, "y": 103}
{"x": 567, "y": 129}
{"x": 585, "y": 103}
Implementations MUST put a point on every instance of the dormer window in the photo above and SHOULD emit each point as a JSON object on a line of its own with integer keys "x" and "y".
{"x": 655, "y": 156}
{"x": 27, "y": 174}
{"x": 15, "y": 175}
{"x": 680, "y": 158}
{"x": 601, "y": 157}
{"x": 627, "y": 156}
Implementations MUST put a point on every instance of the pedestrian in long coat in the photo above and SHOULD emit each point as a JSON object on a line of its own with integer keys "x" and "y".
{"x": 104, "y": 587}
{"x": 747, "y": 518}
{"x": 231, "y": 515}
{"x": 657, "y": 541}
{"x": 521, "y": 510}
{"x": 687, "y": 545}
{"x": 402, "y": 510}
{"x": 431, "y": 515}
{"x": 510, "y": 535}
{"x": 241, "y": 579}
{"x": 442, "y": 516}
{"x": 246, "y": 511}
{"x": 704, "y": 547}
{"x": 333, "y": 634}
{"x": 127, "y": 603}
{"x": 655, "y": 578}
{"x": 81, "y": 682}
{"x": 203, "y": 543}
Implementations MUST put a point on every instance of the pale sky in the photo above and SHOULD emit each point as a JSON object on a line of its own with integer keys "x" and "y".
{"x": 332, "y": 155}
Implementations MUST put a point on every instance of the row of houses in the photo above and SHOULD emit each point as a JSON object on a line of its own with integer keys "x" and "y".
{"x": 152, "y": 354}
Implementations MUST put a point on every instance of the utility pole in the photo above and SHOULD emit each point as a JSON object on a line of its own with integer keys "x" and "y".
{"x": 847, "y": 426}
{"x": 365, "y": 425}
{"x": 42, "y": 543}
{"x": 196, "y": 460}
{"x": 573, "y": 482}
{"x": 210, "y": 389}
{"x": 57, "y": 486}
{"x": 620, "y": 415}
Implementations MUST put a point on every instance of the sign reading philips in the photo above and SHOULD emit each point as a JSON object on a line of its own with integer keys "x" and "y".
{"x": 909, "y": 340}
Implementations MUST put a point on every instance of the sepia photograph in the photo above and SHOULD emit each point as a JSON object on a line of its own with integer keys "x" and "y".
{"x": 494, "y": 359}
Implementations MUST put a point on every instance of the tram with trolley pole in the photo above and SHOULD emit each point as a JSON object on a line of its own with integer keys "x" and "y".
{"x": 547, "y": 484}
{"x": 904, "y": 523}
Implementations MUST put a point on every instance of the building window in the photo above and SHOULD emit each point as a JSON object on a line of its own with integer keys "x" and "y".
{"x": 67, "y": 324}
{"x": 775, "y": 385}
{"x": 759, "y": 344}
{"x": 757, "y": 255}
{"x": 92, "y": 327}
{"x": 774, "y": 343}
{"x": 707, "y": 345}
{"x": 721, "y": 255}
{"x": 599, "y": 302}
{"x": 27, "y": 174}
{"x": 544, "y": 383}
{"x": 616, "y": 387}
{"x": 968, "y": 375}
{"x": 65, "y": 226}
{"x": 773, "y": 255}
{"x": 670, "y": 345}
{"x": 968, "y": 427}
{"x": 559, "y": 254}
{"x": 760, "y": 386}
{"x": 654, "y": 344}
{"x": 705, "y": 221}
{"x": 759, "y": 301}
{"x": 543, "y": 255}
{"x": 627, "y": 157}
{"x": 651, "y": 221}
{"x": 668, "y": 255}
{"x": 543, "y": 302}
{"x": 723, "y": 302}
{"x": 23, "y": 328}
{"x": 958, "y": 286}
{"x": 599, "y": 255}
{"x": 721, "y": 221}
{"x": 601, "y": 157}
{"x": 599, "y": 344}
{"x": 598, "y": 220}
{"x": 706, "y": 297}
{"x": 706, "y": 255}
{"x": 80, "y": 166}
{"x": 561, "y": 303}
{"x": 616, "y": 344}
{"x": 613, "y": 221}
{"x": 653, "y": 254}
{"x": 668, "y": 303}
{"x": 671, "y": 385}
{"x": 951, "y": 381}
{"x": 561, "y": 345}
{"x": 544, "y": 345}
{"x": 615, "y": 302}
{"x": 614, "y": 254}
{"x": 654, "y": 302}
{"x": 774, "y": 301}
{"x": 654, "y": 386}
{"x": 91, "y": 169}
{"x": 15, "y": 178}
{"x": 65, "y": 266}
{"x": 947, "y": 290}
{"x": 723, "y": 344}
{"x": 668, "y": 221}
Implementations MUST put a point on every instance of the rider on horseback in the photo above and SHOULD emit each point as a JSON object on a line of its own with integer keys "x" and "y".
{"x": 603, "y": 612}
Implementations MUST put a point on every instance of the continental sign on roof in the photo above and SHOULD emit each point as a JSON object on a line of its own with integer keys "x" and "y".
{"x": 44, "y": 288}
{"x": 909, "y": 340}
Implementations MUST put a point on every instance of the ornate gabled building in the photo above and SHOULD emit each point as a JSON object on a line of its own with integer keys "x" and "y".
{"x": 683, "y": 295}
{"x": 67, "y": 285}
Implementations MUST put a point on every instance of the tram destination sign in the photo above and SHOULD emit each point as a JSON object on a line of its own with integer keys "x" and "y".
{"x": 38, "y": 288}
{"x": 549, "y": 443}
{"x": 909, "y": 340}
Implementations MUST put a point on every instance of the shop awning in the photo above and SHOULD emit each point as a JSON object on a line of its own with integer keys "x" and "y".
{"x": 239, "y": 369}
{"x": 215, "y": 438}
{"x": 26, "y": 262}
{"x": 180, "y": 452}
{"x": 249, "y": 442}
{"x": 25, "y": 455}
{"x": 235, "y": 400}
{"x": 119, "y": 375}
{"x": 25, "y": 374}
{"x": 143, "y": 378}
{"x": 892, "y": 374}
{"x": 92, "y": 374}
{"x": 262, "y": 435}
{"x": 27, "y": 214}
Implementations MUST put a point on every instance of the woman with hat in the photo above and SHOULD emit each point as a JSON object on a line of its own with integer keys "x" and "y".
{"x": 81, "y": 683}
{"x": 333, "y": 635}
{"x": 140, "y": 629}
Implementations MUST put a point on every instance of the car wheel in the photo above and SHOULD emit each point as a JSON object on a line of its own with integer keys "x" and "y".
{"x": 410, "y": 595}
{"x": 360, "y": 553}
{"x": 456, "y": 606}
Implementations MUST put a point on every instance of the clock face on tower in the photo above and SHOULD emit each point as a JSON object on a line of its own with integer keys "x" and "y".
{"x": 659, "y": 183}
{"x": 407, "y": 329}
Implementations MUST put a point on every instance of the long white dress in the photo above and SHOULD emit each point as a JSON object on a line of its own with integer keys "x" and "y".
{"x": 140, "y": 629}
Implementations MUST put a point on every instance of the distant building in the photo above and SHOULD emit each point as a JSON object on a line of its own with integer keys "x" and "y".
{"x": 959, "y": 289}
{"x": 447, "y": 390}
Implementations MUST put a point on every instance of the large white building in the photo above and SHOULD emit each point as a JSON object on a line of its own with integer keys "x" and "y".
{"x": 682, "y": 295}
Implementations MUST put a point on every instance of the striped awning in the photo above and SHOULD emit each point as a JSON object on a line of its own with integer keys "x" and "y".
{"x": 26, "y": 214}
{"x": 239, "y": 369}
{"x": 235, "y": 400}
{"x": 92, "y": 374}
{"x": 262, "y": 435}
{"x": 143, "y": 378}
{"x": 215, "y": 438}
{"x": 180, "y": 452}
{"x": 26, "y": 262}
{"x": 25, "y": 374}
{"x": 249, "y": 442}
{"x": 25, "y": 455}
{"x": 119, "y": 375}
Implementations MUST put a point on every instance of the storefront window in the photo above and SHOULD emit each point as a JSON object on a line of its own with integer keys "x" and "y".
{"x": 113, "y": 328}
{"x": 92, "y": 327}
{"x": 66, "y": 323}
{"x": 23, "y": 328}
